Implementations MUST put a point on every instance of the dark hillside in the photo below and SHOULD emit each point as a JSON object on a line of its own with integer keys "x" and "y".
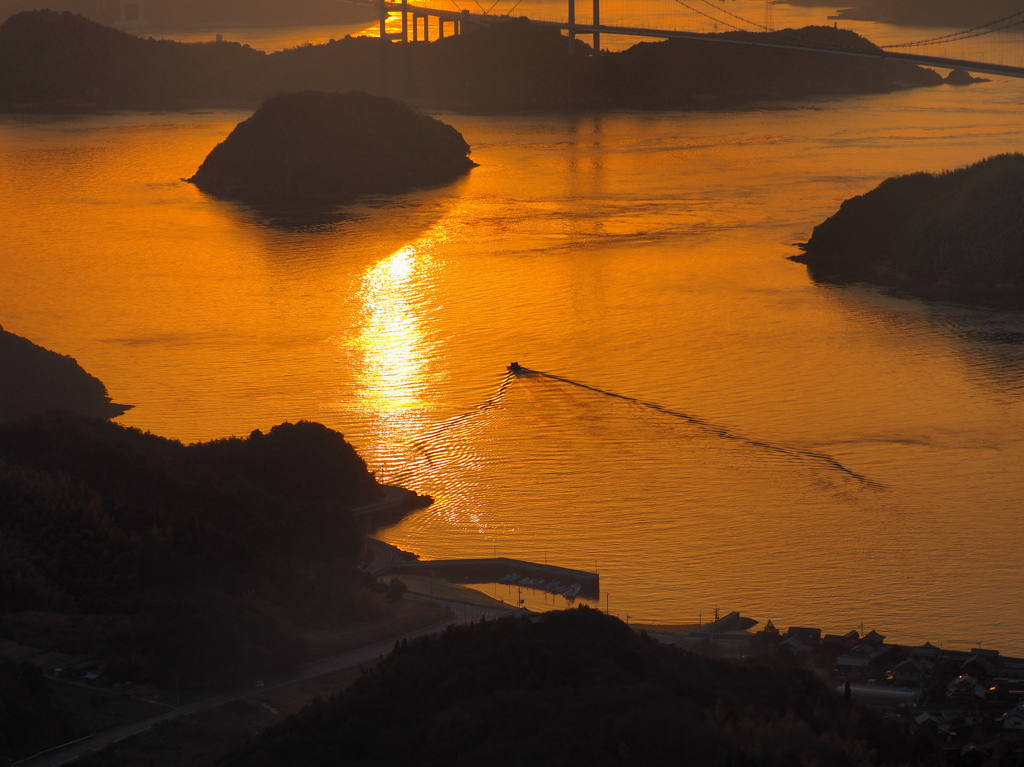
{"x": 197, "y": 560}
{"x": 36, "y": 381}
{"x": 697, "y": 73}
{"x": 189, "y": 14}
{"x": 512, "y": 66}
{"x": 572, "y": 688}
{"x": 29, "y": 721}
{"x": 957, "y": 235}
{"x": 60, "y": 61}
{"x": 332, "y": 146}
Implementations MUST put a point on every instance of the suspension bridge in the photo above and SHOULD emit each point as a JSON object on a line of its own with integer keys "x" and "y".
{"x": 995, "y": 48}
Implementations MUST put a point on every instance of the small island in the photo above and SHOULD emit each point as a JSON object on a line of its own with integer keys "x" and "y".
{"x": 332, "y": 147}
{"x": 37, "y": 381}
{"x": 955, "y": 236}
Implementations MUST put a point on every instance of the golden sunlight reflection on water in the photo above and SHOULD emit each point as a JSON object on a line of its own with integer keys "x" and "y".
{"x": 392, "y": 339}
{"x": 635, "y": 254}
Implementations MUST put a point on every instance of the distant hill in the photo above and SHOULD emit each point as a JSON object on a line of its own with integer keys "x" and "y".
{"x": 332, "y": 146}
{"x": 957, "y": 235}
{"x": 575, "y": 687}
{"x": 60, "y": 62}
{"x": 36, "y": 381}
{"x": 53, "y": 61}
{"x": 951, "y": 13}
{"x": 208, "y": 14}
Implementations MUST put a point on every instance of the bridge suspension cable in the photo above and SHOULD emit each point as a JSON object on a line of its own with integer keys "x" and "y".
{"x": 709, "y": 16}
{"x": 735, "y": 16}
{"x": 966, "y": 34}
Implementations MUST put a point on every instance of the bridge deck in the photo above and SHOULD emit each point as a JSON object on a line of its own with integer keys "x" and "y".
{"x": 663, "y": 34}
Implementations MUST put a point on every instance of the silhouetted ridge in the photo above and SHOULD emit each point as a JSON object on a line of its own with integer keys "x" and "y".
{"x": 163, "y": 559}
{"x": 184, "y": 14}
{"x": 332, "y": 146}
{"x": 957, "y": 235}
{"x": 51, "y": 61}
{"x": 573, "y": 688}
{"x": 35, "y": 380}
{"x": 60, "y": 61}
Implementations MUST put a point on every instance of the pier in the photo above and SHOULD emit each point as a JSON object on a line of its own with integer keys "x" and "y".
{"x": 512, "y": 572}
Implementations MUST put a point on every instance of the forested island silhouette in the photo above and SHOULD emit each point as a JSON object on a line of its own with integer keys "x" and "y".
{"x": 331, "y": 147}
{"x": 957, "y": 235}
{"x": 60, "y": 62}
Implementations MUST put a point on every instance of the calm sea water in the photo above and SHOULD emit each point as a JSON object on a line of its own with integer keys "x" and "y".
{"x": 709, "y": 428}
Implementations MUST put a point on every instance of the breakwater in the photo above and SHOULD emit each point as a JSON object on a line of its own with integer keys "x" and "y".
{"x": 515, "y": 572}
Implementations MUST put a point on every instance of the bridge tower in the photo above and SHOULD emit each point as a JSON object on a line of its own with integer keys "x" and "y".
{"x": 382, "y": 17}
{"x": 571, "y": 26}
{"x": 769, "y": 15}
{"x": 595, "y": 22}
{"x": 133, "y": 15}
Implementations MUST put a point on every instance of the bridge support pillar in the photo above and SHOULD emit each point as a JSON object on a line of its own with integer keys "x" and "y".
{"x": 571, "y": 26}
{"x": 382, "y": 17}
{"x": 405, "y": 21}
{"x": 597, "y": 22}
{"x": 440, "y": 28}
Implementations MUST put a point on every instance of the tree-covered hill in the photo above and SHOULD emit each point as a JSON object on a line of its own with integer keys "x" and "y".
{"x": 573, "y": 688}
{"x": 56, "y": 61}
{"x": 200, "y": 561}
{"x": 957, "y": 235}
{"x": 35, "y": 381}
{"x": 332, "y": 146}
{"x": 65, "y": 62}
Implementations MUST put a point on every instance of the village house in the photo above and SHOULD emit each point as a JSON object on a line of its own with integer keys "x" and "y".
{"x": 910, "y": 673}
{"x": 1013, "y": 719}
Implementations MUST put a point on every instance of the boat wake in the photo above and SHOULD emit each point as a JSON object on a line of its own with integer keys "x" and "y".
{"x": 723, "y": 432}
{"x": 461, "y": 441}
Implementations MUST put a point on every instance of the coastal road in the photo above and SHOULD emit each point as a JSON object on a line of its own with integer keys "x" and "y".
{"x": 71, "y": 752}
{"x": 462, "y": 611}
{"x": 383, "y": 556}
